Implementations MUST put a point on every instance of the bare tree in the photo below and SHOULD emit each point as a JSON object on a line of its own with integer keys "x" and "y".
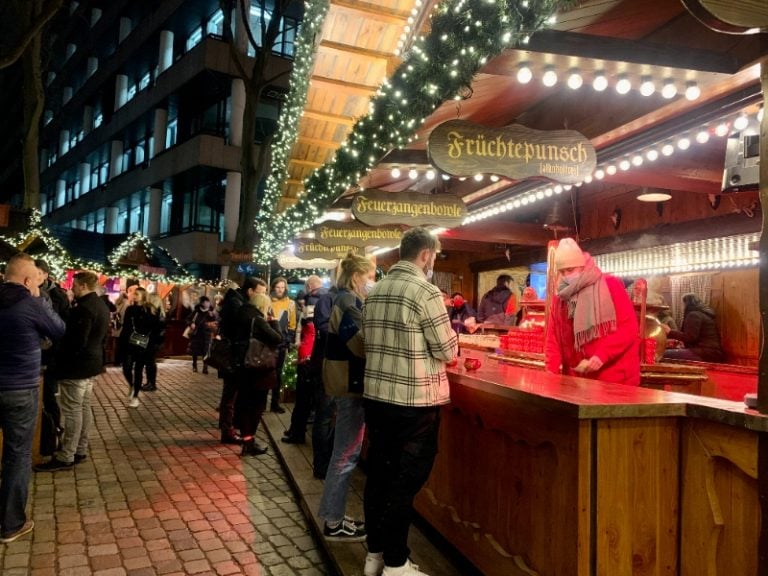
{"x": 254, "y": 159}
{"x": 31, "y": 16}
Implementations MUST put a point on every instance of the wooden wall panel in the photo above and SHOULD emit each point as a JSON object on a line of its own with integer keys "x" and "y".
{"x": 720, "y": 512}
{"x": 513, "y": 504}
{"x": 637, "y": 496}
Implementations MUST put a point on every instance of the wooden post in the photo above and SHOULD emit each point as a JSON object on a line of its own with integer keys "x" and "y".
{"x": 762, "y": 380}
{"x": 762, "y": 377}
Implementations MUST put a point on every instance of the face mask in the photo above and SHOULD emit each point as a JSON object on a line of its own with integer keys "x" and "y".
{"x": 429, "y": 272}
{"x": 572, "y": 277}
{"x": 368, "y": 286}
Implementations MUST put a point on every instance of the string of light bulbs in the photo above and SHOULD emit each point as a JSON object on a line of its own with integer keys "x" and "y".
{"x": 650, "y": 153}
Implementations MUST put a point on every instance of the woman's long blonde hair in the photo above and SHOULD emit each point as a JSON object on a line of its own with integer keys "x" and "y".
{"x": 262, "y": 303}
{"x": 155, "y": 304}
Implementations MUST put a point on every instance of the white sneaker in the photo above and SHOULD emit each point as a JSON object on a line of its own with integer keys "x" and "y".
{"x": 134, "y": 403}
{"x": 374, "y": 564}
{"x": 407, "y": 569}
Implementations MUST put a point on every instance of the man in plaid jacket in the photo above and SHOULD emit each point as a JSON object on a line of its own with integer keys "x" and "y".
{"x": 408, "y": 340}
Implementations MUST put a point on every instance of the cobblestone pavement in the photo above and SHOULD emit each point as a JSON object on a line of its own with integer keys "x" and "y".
{"x": 159, "y": 495}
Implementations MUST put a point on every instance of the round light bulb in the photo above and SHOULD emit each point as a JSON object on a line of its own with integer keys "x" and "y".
{"x": 610, "y": 170}
{"x": 702, "y": 137}
{"x": 623, "y": 86}
{"x": 395, "y": 172}
{"x": 600, "y": 82}
{"x": 722, "y": 129}
{"x": 667, "y": 149}
{"x": 669, "y": 90}
{"x": 478, "y": 177}
{"x": 647, "y": 87}
{"x": 624, "y": 165}
{"x": 575, "y": 80}
{"x": 684, "y": 143}
{"x": 412, "y": 174}
{"x": 430, "y": 174}
{"x": 637, "y": 160}
{"x": 599, "y": 174}
{"x": 741, "y": 122}
{"x": 524, "y": 74}
{"x": 652, "y": 155}
{"x": 692, "y": 91}
{"x": 549, "y": 78}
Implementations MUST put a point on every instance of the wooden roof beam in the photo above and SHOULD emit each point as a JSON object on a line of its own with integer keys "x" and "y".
{"x": 328, "y": 117}
{"x": 356, "y": 50}
{"x": 372, "y": 11}
{"x": 501, "y": 232}
{"x": 637, "y": 52}
{"x": 309, "y": 163}
{"x": 351, "y": 88}
{"x": 318, "y": 142}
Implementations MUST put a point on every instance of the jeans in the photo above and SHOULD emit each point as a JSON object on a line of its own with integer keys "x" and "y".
{"x": 401, "y": 451}
{"x": 348, "y": 440}
{"x": 322, "y": 431}
{"x": 75, "y": 402}
{"x": 51, "y": 414}
{"x": 18, "y": 416}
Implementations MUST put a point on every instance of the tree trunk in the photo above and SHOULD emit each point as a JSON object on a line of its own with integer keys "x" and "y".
{"x": 33, "y": 110}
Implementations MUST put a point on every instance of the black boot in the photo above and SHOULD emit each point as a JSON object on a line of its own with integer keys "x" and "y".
{"x": 250, "y": 448}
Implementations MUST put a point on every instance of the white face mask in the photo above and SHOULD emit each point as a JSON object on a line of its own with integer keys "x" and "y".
{"x": 368, "y": 286}
{"x": 429, "y": 269}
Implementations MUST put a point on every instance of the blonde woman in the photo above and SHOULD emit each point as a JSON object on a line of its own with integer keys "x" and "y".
{"x": 343, "y": 371}
{"x": 140, "y": 319}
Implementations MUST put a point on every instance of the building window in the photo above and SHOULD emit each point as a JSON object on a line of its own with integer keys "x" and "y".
{"x": 98, "y": 119}
{"x": 194, "y": 38}
{"x": 216, "y": 24}
{"x": 144, "y": 82}
{"x": 131, "y": 92}
{"x": 170, "y": 134}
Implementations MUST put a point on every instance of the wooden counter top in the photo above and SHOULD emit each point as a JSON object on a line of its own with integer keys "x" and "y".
{"x": 586, "y": 399}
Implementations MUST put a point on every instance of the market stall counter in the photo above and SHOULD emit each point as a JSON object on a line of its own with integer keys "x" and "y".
{"x": 560, "y": 476}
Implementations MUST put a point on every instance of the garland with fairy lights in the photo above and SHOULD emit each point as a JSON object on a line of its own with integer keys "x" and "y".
{"x": 439, "y": 67}
{"x": 290, "y": 115}
{"x": 138, "y": 240}
{"x": 60, "y": 260}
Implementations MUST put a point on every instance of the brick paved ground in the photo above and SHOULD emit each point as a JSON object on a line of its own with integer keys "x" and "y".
{"x": 159, "y": 495}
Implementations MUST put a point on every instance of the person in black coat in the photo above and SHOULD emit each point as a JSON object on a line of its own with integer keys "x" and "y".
{"x": 80, "y": 359}
{"x": 699, "y": 333}
{"x": 243, "y": 316}
{"x": 202, "y": 324}
{"x": 50, "y": 427}
{"x": 141, "y": 320}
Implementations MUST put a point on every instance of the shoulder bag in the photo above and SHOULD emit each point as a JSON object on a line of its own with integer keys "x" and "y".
{"x": 137, "y": 339}
{"x": 220, "y": 355}
{"x": 259, "y": 356}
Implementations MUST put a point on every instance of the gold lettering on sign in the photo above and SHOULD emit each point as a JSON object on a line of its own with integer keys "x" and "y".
{"x": 326, "y": 233}
{"x": 414, "y": 210}
{"x": 460, "y": 145}
{"x": 460, "y": 148}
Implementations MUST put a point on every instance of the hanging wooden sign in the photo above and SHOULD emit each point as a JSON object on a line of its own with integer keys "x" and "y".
{"x": 461, "y": 148}
{"x": 377, "y": 207}
{"x": 310, "y": 249}
{"x": 357, "y": 234}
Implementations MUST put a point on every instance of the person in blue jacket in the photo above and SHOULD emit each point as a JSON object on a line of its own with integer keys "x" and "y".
{"x": 29, "y": 318}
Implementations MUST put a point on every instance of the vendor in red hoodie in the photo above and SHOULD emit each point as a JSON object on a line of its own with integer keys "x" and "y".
{"x": 592, "y": 328}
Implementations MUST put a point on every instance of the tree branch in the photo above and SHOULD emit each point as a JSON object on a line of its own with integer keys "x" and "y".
{"x": 37, "y": 26}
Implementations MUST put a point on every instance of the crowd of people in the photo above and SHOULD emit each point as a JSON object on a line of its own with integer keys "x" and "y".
{"x": 371, "y": 360}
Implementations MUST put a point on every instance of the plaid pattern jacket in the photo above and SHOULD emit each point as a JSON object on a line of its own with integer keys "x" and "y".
{"x": 408, "y": 339}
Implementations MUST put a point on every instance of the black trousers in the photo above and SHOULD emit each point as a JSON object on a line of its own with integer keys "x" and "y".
{"x": 401, "y": 451}
{"x": 305, "y": 399}
{"x": 227, "y": 405}
{"x": 281, "y": 352}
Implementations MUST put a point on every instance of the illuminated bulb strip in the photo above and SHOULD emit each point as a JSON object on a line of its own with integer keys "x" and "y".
{"x": 711, "y": 254}
{"x": 636, "y": 159}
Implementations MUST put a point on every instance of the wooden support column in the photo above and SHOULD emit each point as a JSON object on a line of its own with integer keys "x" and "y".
{"x": 762, "y": 377}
